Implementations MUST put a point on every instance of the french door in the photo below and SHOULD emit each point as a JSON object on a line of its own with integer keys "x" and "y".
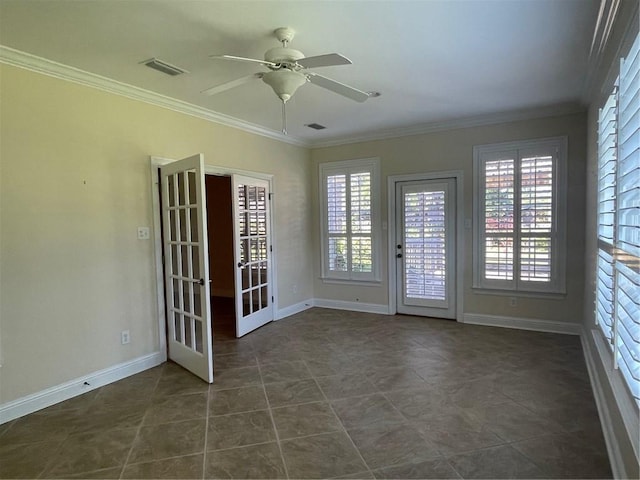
{"x": 252, "y": 237}
{"x": 187, "y": 265}
{"x": 425, "y": 248}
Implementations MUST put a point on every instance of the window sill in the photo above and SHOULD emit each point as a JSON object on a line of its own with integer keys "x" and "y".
{"x": 519, "y": 293}
{"x": 343, "y": 281}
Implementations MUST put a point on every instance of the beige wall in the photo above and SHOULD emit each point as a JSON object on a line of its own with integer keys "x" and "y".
{"x": 452, "y": 150}
{"x": 74, "y": 187}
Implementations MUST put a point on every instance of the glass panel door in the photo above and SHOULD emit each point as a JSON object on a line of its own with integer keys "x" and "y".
{"x": 186, "y": 265}
{"x": 253, "y": 253}
{"x": 425, "y": 248}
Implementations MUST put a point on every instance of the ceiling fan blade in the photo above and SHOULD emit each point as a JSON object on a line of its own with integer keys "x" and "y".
{"x": 337, "y": 87}
{"x": 232, "y": 84}
{"x": 327, "y": 60}
{"x": 243, "y": 59}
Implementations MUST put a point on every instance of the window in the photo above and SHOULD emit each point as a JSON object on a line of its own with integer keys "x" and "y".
{"x": 618, "y": 266}
{"x": 519, "y": 224}
{"x": 349, "y": 202}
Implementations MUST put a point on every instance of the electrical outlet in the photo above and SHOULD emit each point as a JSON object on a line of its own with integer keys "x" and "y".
{"x": 143, "y": 233}
{"x": 125, "y": 337}
{"x": 513, "y": 302}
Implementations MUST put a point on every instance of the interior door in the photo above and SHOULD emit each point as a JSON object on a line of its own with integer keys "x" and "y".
{"x": 425, "y": 248}
{"x": 254, "y": 306}
{"x": 187, "y": 265}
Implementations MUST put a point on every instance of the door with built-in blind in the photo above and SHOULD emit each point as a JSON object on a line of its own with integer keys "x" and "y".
{"x": 425, "y": 248}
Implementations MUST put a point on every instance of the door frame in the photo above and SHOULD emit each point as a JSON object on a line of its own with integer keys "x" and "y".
{"x": 155, "y": 162}
{"x": 392, "y": 185}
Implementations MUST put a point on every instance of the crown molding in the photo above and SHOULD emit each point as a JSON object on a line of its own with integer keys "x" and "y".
{"x": 468, "y": 122}
{"x": 54, "y": 69}
{"x": 44, "y": 66}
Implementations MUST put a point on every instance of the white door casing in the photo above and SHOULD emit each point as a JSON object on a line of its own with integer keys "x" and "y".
{"x": 187, "y": 265}
{"x": 252, "y": 250}
{"x": 425, "y": 247}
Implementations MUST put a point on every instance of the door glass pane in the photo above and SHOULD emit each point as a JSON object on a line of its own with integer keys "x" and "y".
{"x": 254, "y": 250}
{"x": 253, "y": 223}
{"x": 183, "y": 225}
{"x": 193, "y": 213}
{"x": 243, "y": 224}
{"x": 197, "y": 303}
{"x": 252, "y": 200}
{"x": 242, "y": 197}
{"x": 186, "y": 296}
{"x": 425, "y": 242}
{"x": 246, "y": 303}
{"x": 177, "y": 322}
{"x": 263, "y": 273}
{"x": 185, "y": 261}
{"x": 195, "y": 261}
{"x": 192, "y": 187}
{"x": 171, "y": 188}
{"x": 198, "y": 336}
{"x": 262, "y": 248}
{"x": 262, "y": 223}
{"x": 245, "y": 278}
{"x": 263, "y": 297}
{"x": 174, "y": 260}
{"x": 181, "y": 186}
{"x": 244, "y": 250}
{"x": 188, "y": 337}
{"x": 172, "y": 225}
{"x": 176, "y": 294}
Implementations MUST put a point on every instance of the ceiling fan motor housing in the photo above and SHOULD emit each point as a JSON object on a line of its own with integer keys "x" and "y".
{"x": 284, "y": 82}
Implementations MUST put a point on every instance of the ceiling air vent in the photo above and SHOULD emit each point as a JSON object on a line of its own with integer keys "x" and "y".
{"x": 164, "y": 67}
{"x": 315, "y": 126}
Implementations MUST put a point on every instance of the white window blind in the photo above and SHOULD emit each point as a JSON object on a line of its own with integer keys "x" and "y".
{"x": 607, "y": 162}
{"x": 618, "y": 271}
{"x": 519, "y": 224}
{"x": 348, "y": 211}
{"x": 627, "y": 228}
{"x": 425, "y": 244}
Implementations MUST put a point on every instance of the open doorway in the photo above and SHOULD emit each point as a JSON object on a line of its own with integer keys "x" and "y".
{"x": 221, "y": 256}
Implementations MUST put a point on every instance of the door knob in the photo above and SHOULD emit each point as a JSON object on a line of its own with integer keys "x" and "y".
{"x": 399, "y": 255}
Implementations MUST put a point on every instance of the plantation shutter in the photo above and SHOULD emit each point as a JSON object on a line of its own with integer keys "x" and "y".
{"x": 627, "y": 232}
{"x": 607, "y": 150}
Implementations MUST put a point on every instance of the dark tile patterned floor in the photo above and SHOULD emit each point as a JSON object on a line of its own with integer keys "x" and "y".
{"x": 331, "y": 394}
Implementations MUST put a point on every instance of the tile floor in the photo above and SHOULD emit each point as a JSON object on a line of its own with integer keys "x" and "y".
{"x": 330, "y": 394}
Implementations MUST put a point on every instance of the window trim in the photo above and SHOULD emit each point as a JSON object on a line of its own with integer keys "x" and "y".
{"x": 557, "y": 285}
{"x": 347, "y": 167}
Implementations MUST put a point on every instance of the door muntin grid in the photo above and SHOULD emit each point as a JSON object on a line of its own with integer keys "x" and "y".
{"x": 254, "y": 247}
{"x": 183, "y": 252}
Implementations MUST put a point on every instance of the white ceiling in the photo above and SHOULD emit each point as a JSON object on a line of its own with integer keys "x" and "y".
{"x": 433, "y": 61}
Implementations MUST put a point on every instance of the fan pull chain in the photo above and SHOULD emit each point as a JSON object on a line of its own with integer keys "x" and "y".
{"x": 284, "y": 118}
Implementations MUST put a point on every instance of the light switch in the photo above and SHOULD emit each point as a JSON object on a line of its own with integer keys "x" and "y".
{"x": 143, "y": 233}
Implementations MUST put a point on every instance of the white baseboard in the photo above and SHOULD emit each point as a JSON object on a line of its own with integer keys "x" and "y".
{"x": 613, "y": 448}
{"x": 353, "y": 306}
{"x": 45, "y": 398}
{"x": 293, "y": 309}
{"x": 522, "y": 323}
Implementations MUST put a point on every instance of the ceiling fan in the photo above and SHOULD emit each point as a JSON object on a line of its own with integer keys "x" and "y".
{"x": 289, "y": 70}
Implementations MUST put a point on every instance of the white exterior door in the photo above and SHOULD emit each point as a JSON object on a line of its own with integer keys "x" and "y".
{"x": 425, "y": 248}
{"x": 252, "y": 239}
{"x": 187, "y": 265}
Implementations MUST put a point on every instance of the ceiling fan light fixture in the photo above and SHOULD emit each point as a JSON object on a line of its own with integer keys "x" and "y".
{"x": 284, "y": 82}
